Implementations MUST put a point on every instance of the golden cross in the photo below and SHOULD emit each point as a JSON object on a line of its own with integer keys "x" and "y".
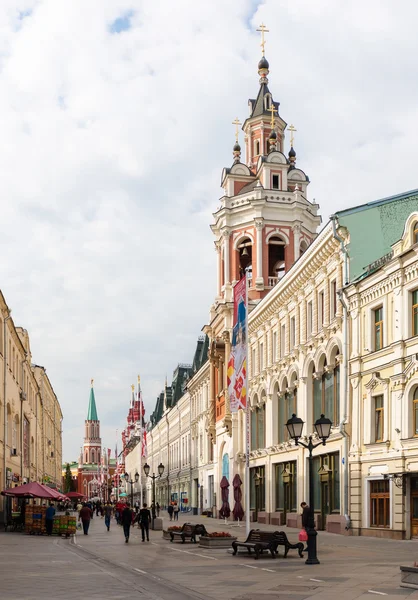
{"x": 292, "y": 130}
{"x": 132, "y": 387}
{"x": 263, "y": 30}
{"x": 237, "y": 122}
{"x": 272, "y": 109}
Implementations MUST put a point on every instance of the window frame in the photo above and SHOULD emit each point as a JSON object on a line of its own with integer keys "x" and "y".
{"x": 376, "y": 496}
{"x": 414, "y": 311}
{"x": 415, "y": 232}
{"x": 379, "y": 412}
{"x": 415, "y": 411}
{"x": 273, "y": 176}
{"x": 378, "y": 328}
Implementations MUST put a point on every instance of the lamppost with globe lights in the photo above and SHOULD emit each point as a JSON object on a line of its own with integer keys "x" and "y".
{"x": 323, "y": 430}
{"x": 132, "y": 481}
{"x": 147, "y": 470}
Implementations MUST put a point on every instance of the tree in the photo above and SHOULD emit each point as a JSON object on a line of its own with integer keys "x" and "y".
{"x": 68, "y": 483}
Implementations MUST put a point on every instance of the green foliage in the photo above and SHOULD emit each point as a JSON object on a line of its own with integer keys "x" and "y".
{"x": 68, "y": 481}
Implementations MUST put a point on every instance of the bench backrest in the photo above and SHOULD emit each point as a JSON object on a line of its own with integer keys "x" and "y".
{"x": 256, "y": 535}
{"x": 281, "y": 537}
{"x": 187, "y": 528}
{"x": 200, "y": 529}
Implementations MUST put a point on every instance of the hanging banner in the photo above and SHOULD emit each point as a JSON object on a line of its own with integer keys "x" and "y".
{"x": 237, "y": 364}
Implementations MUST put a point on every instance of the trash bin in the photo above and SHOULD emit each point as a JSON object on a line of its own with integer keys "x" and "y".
{"x": 195, "y": 510}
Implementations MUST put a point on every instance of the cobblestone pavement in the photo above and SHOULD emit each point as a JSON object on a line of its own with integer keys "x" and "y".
{"x": 101, "y": 565}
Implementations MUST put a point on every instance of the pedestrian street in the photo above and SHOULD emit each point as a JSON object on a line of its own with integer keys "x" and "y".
{"x": 102, "y": 565}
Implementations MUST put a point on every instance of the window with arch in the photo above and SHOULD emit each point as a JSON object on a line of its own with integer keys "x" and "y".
{"x": 256, "y": 147}
{"x": 258, "y": 429}
{"x": 303, "y": 247}
{"x": 326, "y": 394}
{"x": 415, "y": 233}
{"x": 87, "y": 458}
{"x": 415, "y": 410}
{"x": 245, "y": 256}
{"x": 287, "y": 407}
{"x": 267, "y": 101}
{"x": 93, "y": 457}
{"x": 277, "y": 266}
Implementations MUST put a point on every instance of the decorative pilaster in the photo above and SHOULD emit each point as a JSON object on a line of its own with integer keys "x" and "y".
{"x": 219, "y": 267}
{"x": 259, "y": 282}
{"x": 227, "y": 275}
{"x": 296, "y": 240}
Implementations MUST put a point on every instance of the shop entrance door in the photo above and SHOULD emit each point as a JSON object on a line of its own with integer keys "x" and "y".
{"x": 325, "y": 504}
{"x": 414, "y": 507}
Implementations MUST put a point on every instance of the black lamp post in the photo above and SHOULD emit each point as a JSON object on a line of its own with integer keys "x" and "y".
{"x": 147, "y": 469}
{"x": 323, "y": 430}
{"x": 132, "y": 481}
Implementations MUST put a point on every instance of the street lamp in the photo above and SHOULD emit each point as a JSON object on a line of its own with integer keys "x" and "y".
{"x": 147, "y": 469}
{"x": 323, "y": 430}
{"x": 132, "y": 481}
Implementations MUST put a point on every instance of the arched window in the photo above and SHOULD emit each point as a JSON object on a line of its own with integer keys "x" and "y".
{"x": 258, "y": 427}
{"x": 415, "y": 410}
{"x": 277, "y": 266}
{"x": 98, "y": 456}
{"x": 92, "y": 457}
{"x": 287, "y": 407}
{"x": 415, "y": 233}
{"x": 326, "y": 394}
{"x": 256, "y": 147}
{"x": 245, "y": 255}
{"x": 87, "y": 458}
{"x": 303, "y": 247}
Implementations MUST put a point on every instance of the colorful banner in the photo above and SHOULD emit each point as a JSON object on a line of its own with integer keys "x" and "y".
{"x": 237, "y": 364}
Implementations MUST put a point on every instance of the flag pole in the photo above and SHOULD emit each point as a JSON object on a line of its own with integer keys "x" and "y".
{"x": 139, "y": 396}
{"x": 247, "y": 419}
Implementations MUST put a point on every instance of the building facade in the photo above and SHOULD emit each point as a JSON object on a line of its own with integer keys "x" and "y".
{"x": 30, "y": 413}
{"x": 333, "y": 318}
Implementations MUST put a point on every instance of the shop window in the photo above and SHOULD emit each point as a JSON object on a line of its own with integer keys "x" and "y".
{"x": 257, "y": 489}
{"x": 379, "y": 503}
{"x": 285, "y": 478}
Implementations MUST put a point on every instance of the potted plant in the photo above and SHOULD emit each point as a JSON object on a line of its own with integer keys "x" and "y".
{"x": 217, "y": 539}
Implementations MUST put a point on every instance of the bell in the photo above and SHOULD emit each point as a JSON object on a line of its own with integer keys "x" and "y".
{"x": 244, "y": 252}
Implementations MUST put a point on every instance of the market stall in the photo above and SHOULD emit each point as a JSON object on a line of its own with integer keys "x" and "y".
{"x": 33, "y": 515}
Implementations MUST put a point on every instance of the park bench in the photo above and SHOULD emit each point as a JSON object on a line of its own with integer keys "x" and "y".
{"x": 258, "y": 541}
{"x": 188, "y": 531}
{"x": 281, "y": 540}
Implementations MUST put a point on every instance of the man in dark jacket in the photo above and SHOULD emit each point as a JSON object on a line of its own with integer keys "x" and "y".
{"x": 127, "y": 521}
{"x": 144, "y": 519}
{"x": 85, "y": 515}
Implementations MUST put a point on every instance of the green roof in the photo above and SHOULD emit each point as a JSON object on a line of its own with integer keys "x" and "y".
{"x": 92, "y": 413}
{"x": 375, "y": 227}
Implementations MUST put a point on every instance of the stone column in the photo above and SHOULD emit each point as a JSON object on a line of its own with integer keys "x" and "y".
{"x": 259, "y": 282}
{"x": 296, "y": 241}
{"x": 219, "y": 265}
{"x": 227, "y": 276}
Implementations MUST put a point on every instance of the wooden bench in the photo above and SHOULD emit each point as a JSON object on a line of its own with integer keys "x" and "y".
{"x": 281, "y": 540}
{"x": 188, "y": 531}
{"x": 258, "y": 541}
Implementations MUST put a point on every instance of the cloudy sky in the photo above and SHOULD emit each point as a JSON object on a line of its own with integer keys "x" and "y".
{"x": 115, "y": 123}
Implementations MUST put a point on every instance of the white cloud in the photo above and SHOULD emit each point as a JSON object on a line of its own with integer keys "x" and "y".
{"x": 111, "y": 150}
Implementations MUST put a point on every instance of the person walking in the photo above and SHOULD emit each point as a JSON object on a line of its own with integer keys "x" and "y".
{"x": 157, "y": 507}
{"x": 170, "y": 510}
{"x": 85, "y": 516}
{"x": 127, "y": 521}
{"x": 176, "y": 511}
{"x": 49, "y": 518}
{"x": 108, "y": 509}
{"x": 144, "y": 518}
{"x": 305, "y": 519}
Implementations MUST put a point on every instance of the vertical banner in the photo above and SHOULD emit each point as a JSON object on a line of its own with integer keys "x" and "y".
{"x": 237, "y": 364}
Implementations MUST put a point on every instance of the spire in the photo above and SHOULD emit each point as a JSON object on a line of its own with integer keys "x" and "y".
{"x": 237, "y": 148}
{"x": 292, "y": 153}
{"x": 92, "y": 412}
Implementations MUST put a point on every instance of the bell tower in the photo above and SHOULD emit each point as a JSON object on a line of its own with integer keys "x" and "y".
{"x": 265, "y": 220}
{"x": 92, "y": 447}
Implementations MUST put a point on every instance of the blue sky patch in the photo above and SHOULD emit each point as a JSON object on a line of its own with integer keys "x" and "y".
{"x": 122, "y": 23}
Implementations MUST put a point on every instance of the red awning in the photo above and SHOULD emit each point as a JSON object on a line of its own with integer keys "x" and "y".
{"x": 33, "y": 490}
{"x": 75, "y": 496}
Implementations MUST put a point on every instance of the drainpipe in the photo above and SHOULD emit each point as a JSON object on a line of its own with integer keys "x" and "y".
{"x": 344, "y": 379}
{"x": 5, "y": 400}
